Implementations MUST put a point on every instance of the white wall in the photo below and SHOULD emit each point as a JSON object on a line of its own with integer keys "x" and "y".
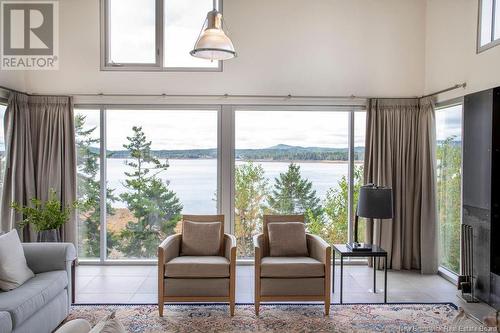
{"x": 318, "y": 47}
{"x": 451, "y": 28}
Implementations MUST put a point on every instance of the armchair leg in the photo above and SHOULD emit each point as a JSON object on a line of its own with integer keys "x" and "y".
{"x": 257, "y": 307}
{"x": 327, "y": 307}
{"x": 160, "y": 308}
{"x": 231, "y": 307}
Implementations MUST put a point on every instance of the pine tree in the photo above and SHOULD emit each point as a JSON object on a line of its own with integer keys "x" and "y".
{"x": 89, "y": 188}
{"x": 155, "y": 207}
{"x": 293, "y": 194}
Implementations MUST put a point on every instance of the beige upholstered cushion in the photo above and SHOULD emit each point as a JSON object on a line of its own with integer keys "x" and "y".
{"x": 287, "y": 239}
{"x": 295, "y": 287}
{"x": 14, "y": 270}
{"x": 201, "y": 238}
{"x": 212, "y": 287}
{"x": 291, "y": 267}
{"x": 197, "y": 267}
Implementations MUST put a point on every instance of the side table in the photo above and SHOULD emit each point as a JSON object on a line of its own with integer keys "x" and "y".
{"x": 344, "y": 252}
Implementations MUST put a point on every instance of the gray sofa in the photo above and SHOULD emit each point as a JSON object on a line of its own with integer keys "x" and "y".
{"x": 43, "y": 302}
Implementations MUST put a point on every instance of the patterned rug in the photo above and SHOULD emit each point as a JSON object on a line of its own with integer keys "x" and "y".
{"x": 276, "y": 318}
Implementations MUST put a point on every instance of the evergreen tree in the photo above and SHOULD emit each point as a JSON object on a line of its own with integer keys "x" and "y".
{"x": 251, "y": 189}
{"x": 332, "y": 225}
{"x": 293, "y": 194}
{"x": 156, "y": 208}
{"x": 89, "y": 188}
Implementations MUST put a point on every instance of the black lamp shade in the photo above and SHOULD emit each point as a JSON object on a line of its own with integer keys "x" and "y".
{"x": 375, "y": 202}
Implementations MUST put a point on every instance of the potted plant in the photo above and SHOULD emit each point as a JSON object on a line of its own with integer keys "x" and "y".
{"x": 45, "y": 217}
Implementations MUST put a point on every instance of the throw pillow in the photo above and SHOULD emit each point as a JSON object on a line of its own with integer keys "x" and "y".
{"x": 201, "y": 238}
{"x": 14, "y": 270}
{"x": 109, "y": 324}
{"x": 287, "y": 239}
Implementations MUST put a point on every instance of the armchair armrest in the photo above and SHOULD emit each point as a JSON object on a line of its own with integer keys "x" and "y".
{"x": 169, "y": 249}
{"x": 318, "y": 249}
{"x": 258, "y": 242}
{"x": 229, "y": 247}
{"x": 46, "y": 257}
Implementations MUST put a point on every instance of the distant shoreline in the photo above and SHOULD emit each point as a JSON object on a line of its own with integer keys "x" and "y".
{"x": 256, "y": 161}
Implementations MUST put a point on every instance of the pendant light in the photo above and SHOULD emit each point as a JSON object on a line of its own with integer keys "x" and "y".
{"x": 213, "y": 43}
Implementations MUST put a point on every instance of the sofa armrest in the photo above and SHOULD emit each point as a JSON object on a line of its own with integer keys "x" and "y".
{"x": 46, "y": 257}
{"x": 318, "y": 248}
{"x": 170, "y": 248}
{"x": 229, "y": 246}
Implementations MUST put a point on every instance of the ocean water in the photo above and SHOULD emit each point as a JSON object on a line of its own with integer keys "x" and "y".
{"x": 195, "y": 180}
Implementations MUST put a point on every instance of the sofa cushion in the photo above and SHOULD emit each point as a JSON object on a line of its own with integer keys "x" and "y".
{"x": 197, "y": 267}
{"x": 13, "y": 268}
{"x": 5, "y": 322}
{"x": 287, "y": 239}
{"x": 291, "y": 267}
{"x": 201, "y": 238}
{"x": 24, "y": 301}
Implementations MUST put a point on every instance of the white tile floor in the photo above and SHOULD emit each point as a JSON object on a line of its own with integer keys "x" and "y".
{"x": 138, "y": 285}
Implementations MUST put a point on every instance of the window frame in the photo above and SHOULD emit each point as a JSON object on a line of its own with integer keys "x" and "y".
{"x": 442, "y": 270}
{"x": 159, "y": 65}
{"x": 225, "y": 162}
{"x": 493, "y": 42}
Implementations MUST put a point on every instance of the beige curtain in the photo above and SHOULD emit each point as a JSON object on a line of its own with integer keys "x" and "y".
{"x": 400, "y": 153}
{"x": 40, "y": 155}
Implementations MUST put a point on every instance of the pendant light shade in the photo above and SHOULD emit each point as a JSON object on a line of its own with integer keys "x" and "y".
{"x": 213, "y": 43}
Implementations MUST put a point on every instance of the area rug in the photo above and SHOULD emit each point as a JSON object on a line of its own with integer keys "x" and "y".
{"x": 276, "y": 317}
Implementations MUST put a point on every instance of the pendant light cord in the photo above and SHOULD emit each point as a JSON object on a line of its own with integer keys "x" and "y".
{"x": 215, "y": 4}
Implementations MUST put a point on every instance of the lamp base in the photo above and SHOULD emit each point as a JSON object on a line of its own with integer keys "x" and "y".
{"x": 359, "y": 247}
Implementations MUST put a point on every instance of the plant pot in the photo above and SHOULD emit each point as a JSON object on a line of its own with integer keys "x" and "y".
{"x": 51, "y": 235}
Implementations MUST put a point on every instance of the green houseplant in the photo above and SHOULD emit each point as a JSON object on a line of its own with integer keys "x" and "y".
{"x": 45, "y": 217}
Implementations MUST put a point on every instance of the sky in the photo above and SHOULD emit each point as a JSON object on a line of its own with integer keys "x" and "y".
{"x": 191, "y": 129}
{"x": 449, "y": 123}
{"x": 132, "y": 31}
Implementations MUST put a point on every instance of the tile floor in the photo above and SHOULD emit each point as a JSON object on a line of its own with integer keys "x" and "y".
{"x": 138, "y": 285}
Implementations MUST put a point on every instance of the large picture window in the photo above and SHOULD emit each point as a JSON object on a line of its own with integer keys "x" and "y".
{"x": 153, "y": 35}
{"x": 141, "y": 167}
{"x": 449, "y": 183}
{"x": 291, "y": 162}
{"x": 159, "y": 164}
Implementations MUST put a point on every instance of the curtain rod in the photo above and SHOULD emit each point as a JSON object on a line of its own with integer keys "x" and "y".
{"x": 289, "y": 96}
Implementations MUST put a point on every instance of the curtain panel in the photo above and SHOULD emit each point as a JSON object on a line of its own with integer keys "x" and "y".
{"x": 400, "y": 153}
{"x": 40, "y": 155}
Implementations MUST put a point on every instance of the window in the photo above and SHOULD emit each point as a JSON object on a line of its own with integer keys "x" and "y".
{"x": 489, "y": 24}
{"x": 3, "y": 107}
{"x": 291, "y": 162}
{"x": 359, "y": 157}
{"x": 141, "y": 167}
{"x": 87, "y": 131}
{"x": 449, "y": 180}
{"x": 153, "y": 34}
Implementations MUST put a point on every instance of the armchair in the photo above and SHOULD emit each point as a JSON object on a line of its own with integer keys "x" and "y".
{"x": 298, "y": 278}
{"x": 184, "y": 277}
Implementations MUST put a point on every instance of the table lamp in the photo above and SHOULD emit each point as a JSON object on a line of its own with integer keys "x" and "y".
{"x": 374, "y": 202}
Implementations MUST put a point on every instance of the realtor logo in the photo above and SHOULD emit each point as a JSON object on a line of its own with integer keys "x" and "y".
{"x": 29, "y": 35}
